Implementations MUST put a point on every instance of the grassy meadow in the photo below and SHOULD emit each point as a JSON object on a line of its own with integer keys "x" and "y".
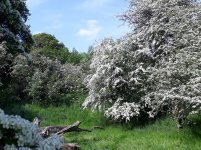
{"x": 159, "y": 135}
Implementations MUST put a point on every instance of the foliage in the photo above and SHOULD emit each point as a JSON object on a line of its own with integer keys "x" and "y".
{"x": 44, "y": 79}
{"x": 17, "y": 133}
{"x": 44, "y": 40}
{"x": 5, "y": 62}
{"x": 75, "y": 57}
{"x": 152, "y": 70}
{"x": 46, "y": 44}
{"x": 15, "y": 36}
{"x": 13, "y": 29}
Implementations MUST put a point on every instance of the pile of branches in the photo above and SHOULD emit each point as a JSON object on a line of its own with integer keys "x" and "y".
{"x": 61, "y": 130}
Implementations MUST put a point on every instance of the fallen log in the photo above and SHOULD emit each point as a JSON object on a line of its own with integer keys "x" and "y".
{"x": 60, "y": 130}
{"x": 73, "y": 127}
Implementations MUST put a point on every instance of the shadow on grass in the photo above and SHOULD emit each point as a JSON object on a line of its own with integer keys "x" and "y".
{"x": 140, "y": 122}
{"x": 194, "y": 124}
{"x": 69, "y": 99}
{"x": 13, "y": 105}
{"x": 18, "y": 108}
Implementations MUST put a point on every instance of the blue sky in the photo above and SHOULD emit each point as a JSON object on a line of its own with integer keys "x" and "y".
{"x": 77, "y": 23}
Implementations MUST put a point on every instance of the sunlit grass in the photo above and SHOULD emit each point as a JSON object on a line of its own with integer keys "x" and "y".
{"x": 160, "y": 135}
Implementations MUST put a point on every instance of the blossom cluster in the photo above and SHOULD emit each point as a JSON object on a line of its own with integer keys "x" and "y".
{"x": 123, "y": 110}
{"x": 18, "y": 133}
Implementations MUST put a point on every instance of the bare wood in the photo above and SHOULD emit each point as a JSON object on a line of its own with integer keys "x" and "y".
{"x": 36, "y": 122}
{"x": 60, "y": 130}
{"x": 46, "y": 131}
{"x": 69, "y": 128}
{"x": 87, "y": 130}
{"x": 71, "y": 146}
{"x": 73, "y": 127}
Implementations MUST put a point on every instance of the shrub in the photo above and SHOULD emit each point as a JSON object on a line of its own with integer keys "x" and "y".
{"x": 45, "y": 80}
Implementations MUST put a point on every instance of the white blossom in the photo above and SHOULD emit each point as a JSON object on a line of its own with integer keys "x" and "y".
{"x": 25, "y": 133}
{"x": 154, "y": 69}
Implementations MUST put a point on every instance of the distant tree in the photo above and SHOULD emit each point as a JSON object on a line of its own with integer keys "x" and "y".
{"x": 45, "y": 40}
{"x": 49, "y": 46}
{"x": 75, "y": 57}
{"x": 90, "y": 50}
{"x": 46, "y": 44}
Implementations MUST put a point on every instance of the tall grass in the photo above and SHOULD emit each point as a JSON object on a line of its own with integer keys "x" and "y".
{"x": 160, "y": 135}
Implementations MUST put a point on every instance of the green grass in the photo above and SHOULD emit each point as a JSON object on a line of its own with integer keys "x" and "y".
{"x": 161, "y": 135}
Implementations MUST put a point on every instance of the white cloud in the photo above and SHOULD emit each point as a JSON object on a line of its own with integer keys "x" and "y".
{"x": 33, "y": 3}
{"x": 92, "y": 4}
{"x": 91, "y": 31}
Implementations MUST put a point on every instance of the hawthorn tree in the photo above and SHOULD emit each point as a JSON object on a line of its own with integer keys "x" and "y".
{"x": 153, "y": 69}
{"x": 172, "y": 35}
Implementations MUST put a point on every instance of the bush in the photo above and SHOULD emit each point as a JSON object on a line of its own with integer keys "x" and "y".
{"x": 44, "y": 80}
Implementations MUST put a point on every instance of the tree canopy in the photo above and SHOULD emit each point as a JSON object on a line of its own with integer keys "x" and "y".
{"x": 15, "y": 35}
{"x": 45, "y": 40}
{"x": 49, "y": 46}
{"x": 13, "y": 29}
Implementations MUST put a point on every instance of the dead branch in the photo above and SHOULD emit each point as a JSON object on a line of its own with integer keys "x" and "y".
{"x": 71, "y": 146}
{"x": 60, "y": 130}
{"x": 46, "y": 131}
{"x": 73, "y": 127}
